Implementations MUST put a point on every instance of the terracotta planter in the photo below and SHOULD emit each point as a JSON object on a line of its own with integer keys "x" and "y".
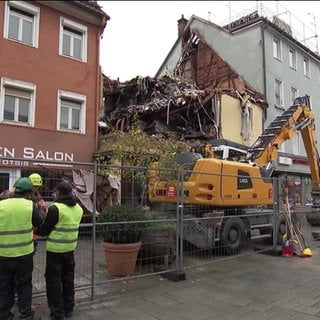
{"x": 121, "y": 258}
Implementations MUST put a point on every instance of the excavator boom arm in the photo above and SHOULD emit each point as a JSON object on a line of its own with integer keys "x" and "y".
{"x": 298, "y": 117}
{"x": 309, "y": 139}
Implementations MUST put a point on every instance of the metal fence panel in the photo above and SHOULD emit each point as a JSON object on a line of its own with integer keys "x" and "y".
{"x": 180, "y": 235}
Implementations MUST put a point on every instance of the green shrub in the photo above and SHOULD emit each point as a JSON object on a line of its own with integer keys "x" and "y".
{"x": 122, "y": 224}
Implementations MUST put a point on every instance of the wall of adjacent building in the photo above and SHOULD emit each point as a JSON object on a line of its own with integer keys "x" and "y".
{"x": 51, "y": 73}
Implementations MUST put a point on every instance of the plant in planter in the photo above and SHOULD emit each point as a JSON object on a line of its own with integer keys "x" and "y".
{"x": 121, "y": 228}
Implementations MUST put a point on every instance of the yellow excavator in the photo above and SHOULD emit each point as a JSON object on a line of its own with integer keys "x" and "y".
{"x": 239, "y": 195}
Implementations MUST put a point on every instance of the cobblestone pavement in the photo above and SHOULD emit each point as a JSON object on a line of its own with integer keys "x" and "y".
{"x": 259, "y": 286}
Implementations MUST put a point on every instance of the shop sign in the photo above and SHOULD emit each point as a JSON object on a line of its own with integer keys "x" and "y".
{"x": 285, "y": 160}
{"x": 29, "y": 153}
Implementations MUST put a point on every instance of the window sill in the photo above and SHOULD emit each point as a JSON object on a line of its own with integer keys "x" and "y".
{"x": 31, "y": 45}
{"x": 70, "y": 131}
{"x": 16, "y": 123}
{"x": 73, "y": 58}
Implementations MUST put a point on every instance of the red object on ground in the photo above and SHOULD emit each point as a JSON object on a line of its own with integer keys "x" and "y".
{"x": 287, "y": 249}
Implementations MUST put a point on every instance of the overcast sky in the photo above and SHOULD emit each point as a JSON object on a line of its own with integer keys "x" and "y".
{"x": 140, "y": 34}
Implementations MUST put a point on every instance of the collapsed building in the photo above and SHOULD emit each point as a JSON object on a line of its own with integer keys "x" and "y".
{"x": 175, "y": 106}
{"x": 202, "y": 98}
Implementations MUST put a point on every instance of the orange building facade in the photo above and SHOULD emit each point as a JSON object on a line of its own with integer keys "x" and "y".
{"x": 50, "y": 89}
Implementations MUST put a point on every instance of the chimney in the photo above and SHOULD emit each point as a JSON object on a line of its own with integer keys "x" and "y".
{"x": 181, "y": 25}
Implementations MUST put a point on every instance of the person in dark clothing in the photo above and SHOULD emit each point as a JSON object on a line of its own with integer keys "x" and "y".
{"x": 61, "y": 226}
{"x": 18, "y": 216}
{"x": 35, "y": 196}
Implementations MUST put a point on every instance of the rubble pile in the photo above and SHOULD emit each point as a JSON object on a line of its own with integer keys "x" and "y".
{"x": 169, "y": 103}
{"x": 165, "y": 106}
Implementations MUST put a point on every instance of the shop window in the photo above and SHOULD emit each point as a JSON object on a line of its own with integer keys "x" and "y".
{"x": 4, "y": 181}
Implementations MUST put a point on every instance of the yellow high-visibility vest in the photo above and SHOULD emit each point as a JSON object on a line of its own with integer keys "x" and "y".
{"x": 16, "y": 237}
{"x": 64, "y": 236}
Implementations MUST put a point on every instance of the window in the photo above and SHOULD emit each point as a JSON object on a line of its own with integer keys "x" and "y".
{"x": 17, "y": 102}
{"x": 276, "y": 48}
{"x": 294, "y": 94}
{"x": 71, "y": 112}
{"x": 21, "y": 22}
{"x": 296, "y": 143}
{"x": 292, "y": 59}
{"x": 73, "y": 40}
{"x": 278, "y": 89}
{"x": 306, "y": 67}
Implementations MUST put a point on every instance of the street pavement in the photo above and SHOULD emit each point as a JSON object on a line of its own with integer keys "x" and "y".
{"x": 256, "y": 286}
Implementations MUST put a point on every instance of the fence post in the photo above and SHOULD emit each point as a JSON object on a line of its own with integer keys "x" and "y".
{"x": 180, "y": 273}
{"x": 275, "y": 210}
{"x": 94, "y": 230}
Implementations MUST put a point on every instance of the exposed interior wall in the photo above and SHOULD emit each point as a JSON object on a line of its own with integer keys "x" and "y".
{"x": 241, "y": 131}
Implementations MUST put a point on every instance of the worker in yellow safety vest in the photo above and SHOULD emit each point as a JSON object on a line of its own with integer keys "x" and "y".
{"x": 18, "y": 215}
{"x": 61, "y": 228}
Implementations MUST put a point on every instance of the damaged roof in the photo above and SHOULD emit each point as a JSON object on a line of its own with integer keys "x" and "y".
{"x": 171, "y": 104}
{"x": 184, "y": 102}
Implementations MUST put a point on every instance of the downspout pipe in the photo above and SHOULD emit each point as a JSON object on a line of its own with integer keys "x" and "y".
{"x": 263, "y": 28}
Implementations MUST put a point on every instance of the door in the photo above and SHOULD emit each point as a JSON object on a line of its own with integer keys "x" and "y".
{"x": 4, "y": 181}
